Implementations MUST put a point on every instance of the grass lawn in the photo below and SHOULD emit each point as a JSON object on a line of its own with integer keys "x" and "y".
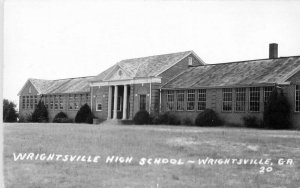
{"x": 185, "y": 143}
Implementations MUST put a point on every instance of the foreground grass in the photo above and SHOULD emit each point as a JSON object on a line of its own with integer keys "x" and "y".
{"x": 186, "y": 143}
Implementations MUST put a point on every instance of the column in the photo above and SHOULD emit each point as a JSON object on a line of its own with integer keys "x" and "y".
{"x": 115, "y": 102}
{"x": 109, "y": 102}
{"x": 125, "y": 102}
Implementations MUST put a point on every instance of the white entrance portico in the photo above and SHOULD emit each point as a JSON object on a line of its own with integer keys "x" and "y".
{"x": 121, "y": 93}
{"x": 117, "y": 100}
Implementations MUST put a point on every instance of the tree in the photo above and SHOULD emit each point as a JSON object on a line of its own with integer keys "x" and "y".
{"x": 9, "y": 111}
{"x": 40, "y": 113}
{"x": 277, "y": 111}
{"x": 84, "y": 115}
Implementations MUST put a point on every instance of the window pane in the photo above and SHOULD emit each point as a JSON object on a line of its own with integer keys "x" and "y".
{"x": 191, "y": 99}
{"x": 61, "y": 102}
{"x": 56, "y": 102}
{"x": 23, "y": 102}
{"x": 254, "y": 99}
{"x": 201, "y": 99}
{"x": 267, "y": 93}
{"x": 240, "y": 99}
{"x": 180, "y": 100}
{"x": 170, "y": 100}
{"x": 31, "y": 102}
{"x": 227, "y": 99}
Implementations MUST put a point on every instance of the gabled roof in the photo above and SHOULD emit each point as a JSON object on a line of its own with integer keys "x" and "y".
{"x": 147, "y": 66}
{"x": 245, "y": 73}
{"x": 62, "y": 86}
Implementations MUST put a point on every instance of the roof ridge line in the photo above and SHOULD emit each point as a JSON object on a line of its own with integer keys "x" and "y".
{"x": 155, "y": 55}
{"x": 244, "y": 61}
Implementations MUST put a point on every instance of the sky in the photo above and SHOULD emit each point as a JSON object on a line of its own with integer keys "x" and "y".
{"x": 54, "y": 39}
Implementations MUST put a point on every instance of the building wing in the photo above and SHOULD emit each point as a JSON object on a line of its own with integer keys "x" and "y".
{"x": 245, "y": 73}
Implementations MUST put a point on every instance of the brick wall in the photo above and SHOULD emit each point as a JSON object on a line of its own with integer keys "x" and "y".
{"x": 214, "y": 100}
{"x": 177, "y": 69}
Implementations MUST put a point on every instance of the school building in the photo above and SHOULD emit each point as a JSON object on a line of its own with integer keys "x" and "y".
{"x": 179, "y": 82}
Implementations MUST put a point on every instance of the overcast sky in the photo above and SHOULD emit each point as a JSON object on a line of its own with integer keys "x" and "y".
{"x": 53, "y": 39}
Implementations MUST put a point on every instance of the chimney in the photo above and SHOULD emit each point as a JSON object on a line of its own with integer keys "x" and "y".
{"x": 273, "y": 50}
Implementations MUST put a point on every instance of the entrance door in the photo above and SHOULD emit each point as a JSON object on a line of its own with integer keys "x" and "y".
{"x": 142, "y": 102}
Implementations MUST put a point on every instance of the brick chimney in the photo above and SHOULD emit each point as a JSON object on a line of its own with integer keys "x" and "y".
{"x": 273, "y": 50}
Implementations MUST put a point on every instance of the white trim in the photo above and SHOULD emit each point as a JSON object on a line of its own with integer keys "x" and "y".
{"x": 292, "y": 73}
{"x": 197, "y": 57}
{"x": 97, "y": 106}
{"x": 114, "y": 69}
{"x": 127, "y": 82}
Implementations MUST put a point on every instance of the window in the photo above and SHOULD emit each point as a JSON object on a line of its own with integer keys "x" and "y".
{"x": 98, "y": 103}
{"x": 170, "y": 100}
{"x": 31, "y": 102}
{"x": 142, "y": 102}
{"x": 99, "y": 107}
{"x": 61, "y": 102}
{"x": 254, "y": 99}
{"x": 240, "y": 105}
{"x": 267, "y": 93}
{"x": 51, "y": 101}
{"x": 227, "y": 99}
{"x": 297, "y": 98}
{"x": 35, "y": 101}
{"x": 201, "y": 99}
{"x": 29, "y": 89}
{"x": 76, "y": 102}
{"x": 71, "y": 102}
{"x": 190, "y": 61}
{"x": 23, "y": 102}
{"x": 180, "y": 100}
{"x": 56, "y": 102}
{"x": 190, "y": 99}
{"x": 27, "y": 102}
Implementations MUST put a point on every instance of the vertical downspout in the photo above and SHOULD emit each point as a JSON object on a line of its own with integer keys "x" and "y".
{"x": 92, "y": 98}
{"x": 150, "y": 98}
{"x": 159, "y": 100}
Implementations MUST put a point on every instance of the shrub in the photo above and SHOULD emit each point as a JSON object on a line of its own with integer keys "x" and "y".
{"x": 84, "y": 115}
{"x": 187, "y": 121}
{"x": 208, "y": 118}
{"x": 61, "y": 117}
{"x": 141, "y": 117}
{"x": 40, "y": 113}
{"x": 154, "y": 119}
{"x": 168, "y": 118}
{"x": 9, "y": 111}
{"x": 90, "y": 118}
{"x": 277, "y": 111}
{"x": 252, "y": 122}
{"x": 173, "y": 120}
